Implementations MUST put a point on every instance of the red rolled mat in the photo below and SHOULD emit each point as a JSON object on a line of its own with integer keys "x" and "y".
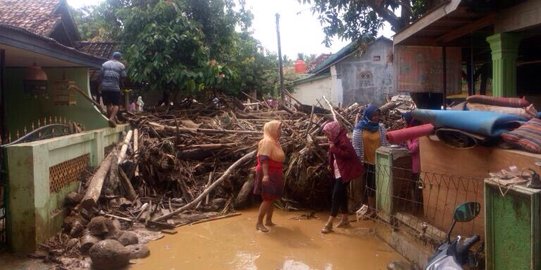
{"x": 401, "y": 135}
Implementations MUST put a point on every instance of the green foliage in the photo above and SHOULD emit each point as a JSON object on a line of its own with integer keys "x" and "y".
{"x": 361, "y": 19}
{"x": 184, "y": 46}
{"x": 165, "y": 49}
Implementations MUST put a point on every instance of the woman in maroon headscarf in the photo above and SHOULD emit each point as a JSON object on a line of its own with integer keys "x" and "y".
{"x": 345, "y": 166}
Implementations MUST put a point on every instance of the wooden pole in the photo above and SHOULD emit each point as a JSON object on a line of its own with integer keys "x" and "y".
{"x": 280, "y": 57}
{"x": 78, "y": 90}
{"x": 225, "y": 176}
{"x": 332, "y": 110}
{"x": 124, "y": 148}
{"x": 96, "y": 183}
{"x": 126, "y": 184}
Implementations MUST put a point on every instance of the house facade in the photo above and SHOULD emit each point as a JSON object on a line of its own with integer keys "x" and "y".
{"x": 50, "y": 132}
{"x": 496, "y": 45}
{"x": 361, "y": 73}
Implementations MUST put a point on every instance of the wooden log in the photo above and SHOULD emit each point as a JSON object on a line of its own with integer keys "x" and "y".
{"x": 225, "y": 176}
{"x": 209, "y": 145}
{"x": 136, "y": 150}
{"x": 245, "y": 192}
{"x": 118, "y": 217}
{"x": 202, "y": 130}
{"x": 292, "y": 97}
{"x": 78, "y": 90}
{"x": 126, "y": 184}
{"x": 125, "y": 144}
{"x": 208, "y": 185}
{"x": 111, "y": 184}
{"x": 93, "y": 191}
{"x": 141, "y": 211}
{"x": 332, "y": 109}
{"x": 216, "y": 218}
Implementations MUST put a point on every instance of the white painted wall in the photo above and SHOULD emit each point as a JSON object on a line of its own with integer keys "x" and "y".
{"x": 309, "y": 92}
{"x": 337, "y": 91}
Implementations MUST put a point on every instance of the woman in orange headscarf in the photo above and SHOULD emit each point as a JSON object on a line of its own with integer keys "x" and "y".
{"x": 269, "y": 181}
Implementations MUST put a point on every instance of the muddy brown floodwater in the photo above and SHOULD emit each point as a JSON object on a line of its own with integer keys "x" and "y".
{"x": 293, "y": 244}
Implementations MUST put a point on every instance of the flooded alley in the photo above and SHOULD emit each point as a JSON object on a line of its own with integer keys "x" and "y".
{"x": 295, "y": 243}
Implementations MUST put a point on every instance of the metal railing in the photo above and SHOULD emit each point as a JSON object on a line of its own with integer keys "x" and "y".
{"x": 425, "y": 202}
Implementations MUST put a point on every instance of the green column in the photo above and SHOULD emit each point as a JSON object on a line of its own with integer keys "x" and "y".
{"x": 504, "y": 48}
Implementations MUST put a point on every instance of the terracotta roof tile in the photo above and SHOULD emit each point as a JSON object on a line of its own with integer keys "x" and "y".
{"x": 36, "y": 16}
{"x": 99, "y": 49}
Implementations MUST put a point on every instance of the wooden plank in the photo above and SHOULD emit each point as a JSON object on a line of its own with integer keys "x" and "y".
{"x": 524, "y": 15}
{"x": 425, "y": 21}
{"x": 467, "y": 29}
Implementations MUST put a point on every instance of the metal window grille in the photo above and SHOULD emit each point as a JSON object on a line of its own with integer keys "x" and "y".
{"x": 64, "y": 173}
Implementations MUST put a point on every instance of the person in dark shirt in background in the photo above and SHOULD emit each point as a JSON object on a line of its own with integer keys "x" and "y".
{"x": 111, "y": 75}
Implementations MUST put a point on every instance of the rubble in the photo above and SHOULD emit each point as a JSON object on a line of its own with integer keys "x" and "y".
{"x": 190, "y": 164}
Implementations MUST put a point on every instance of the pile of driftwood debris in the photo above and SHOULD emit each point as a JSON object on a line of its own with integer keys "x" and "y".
{"x": 195, "y": 163}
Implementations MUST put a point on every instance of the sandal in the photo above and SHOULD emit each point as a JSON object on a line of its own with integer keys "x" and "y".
{"x": 327, "y": 229}
{"x": 262, "y": 228}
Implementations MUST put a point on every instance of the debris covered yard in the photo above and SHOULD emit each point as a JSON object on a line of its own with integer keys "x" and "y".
{"x": 192, "y": 164}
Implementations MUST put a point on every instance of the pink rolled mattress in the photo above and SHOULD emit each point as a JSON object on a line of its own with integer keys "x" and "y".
{"x": 402, "y": 135}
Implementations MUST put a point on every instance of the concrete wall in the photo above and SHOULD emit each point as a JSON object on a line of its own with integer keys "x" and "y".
{"x": 23, "y": 109}
{"x": 310, "y": 91}
{"x": 34, "y": 212}
{"x": 369, "y": 77}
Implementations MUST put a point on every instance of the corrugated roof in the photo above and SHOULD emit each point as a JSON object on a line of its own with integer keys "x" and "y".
{"x": 346, "y": 51}
{"x": 37, "y": 16}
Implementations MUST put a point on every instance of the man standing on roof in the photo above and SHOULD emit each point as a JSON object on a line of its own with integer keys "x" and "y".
{"x": 111, "y": 75}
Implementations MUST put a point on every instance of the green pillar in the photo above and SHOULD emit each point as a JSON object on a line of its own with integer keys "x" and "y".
{"x": 504, "y": 48}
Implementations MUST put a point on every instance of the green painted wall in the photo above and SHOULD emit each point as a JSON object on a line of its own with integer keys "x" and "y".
{"x": 512, "y": 228}
{"x": 35, "y": 213}
{"x": 23, "y": 109}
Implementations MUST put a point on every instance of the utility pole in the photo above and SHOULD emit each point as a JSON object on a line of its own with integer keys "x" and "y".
{"x": 280, "y": 57}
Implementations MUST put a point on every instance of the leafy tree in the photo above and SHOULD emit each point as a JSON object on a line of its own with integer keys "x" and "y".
{"x": 184, "y": 46}
{"x": 165, "y": 49}
{"x": 361, "y": 19}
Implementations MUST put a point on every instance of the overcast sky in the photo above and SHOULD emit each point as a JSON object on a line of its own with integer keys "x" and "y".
{"x": 300, "y": 31}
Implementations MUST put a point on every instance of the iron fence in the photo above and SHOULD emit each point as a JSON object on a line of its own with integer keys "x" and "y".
{"x": 424, "y": 202}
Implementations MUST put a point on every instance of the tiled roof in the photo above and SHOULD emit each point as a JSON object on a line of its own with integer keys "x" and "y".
{"x": 99, "y": 49}
{"x": 36, "y": 16}
{"x": 312, "y": 65}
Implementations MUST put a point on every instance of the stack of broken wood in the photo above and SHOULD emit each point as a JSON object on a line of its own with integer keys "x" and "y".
{"x": 179, "y": 166}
